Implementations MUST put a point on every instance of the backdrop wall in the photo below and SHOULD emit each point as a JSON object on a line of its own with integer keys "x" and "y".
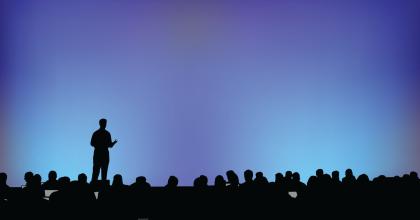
{"x": 193, "y": 88}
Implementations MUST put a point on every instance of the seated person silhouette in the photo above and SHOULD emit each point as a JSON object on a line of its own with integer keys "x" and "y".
{"x": 28, "y": 177}
{"x": 219, "y": 182}
{"x": 101, "y": 141}
{"x": 172, "y": 182}
{"x": 141, "y": 183}
{"x": 4, "y": 188}
{"x": 52, "y": 182}
{"x": 201, "y": 182}
{"x": 249, "y": 179}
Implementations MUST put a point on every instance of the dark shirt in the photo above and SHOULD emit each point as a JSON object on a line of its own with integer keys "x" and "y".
{"x": 101, "y": 140}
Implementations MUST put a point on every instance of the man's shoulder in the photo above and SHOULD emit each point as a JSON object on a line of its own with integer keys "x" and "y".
{"x": 101, "y": 132}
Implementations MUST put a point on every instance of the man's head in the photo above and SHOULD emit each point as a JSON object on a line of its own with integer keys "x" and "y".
{"x": 102, "y": 123}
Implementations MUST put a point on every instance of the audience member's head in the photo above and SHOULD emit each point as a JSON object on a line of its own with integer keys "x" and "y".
{"x": 141, "y": 179}
{"x": 196, "y": 182}
{"x": 336, "y": 176}
{"x": 201, "y": 182}
{"x": 28, "y": 177}
{"x": 204, "y": 180}
{"x": 319, "y": 173}
{"x": 260, "y": 178}
{"x": 3, "y": 179}
{"x": 172, "y": 182}
{"x": 219, "y": 181}
{"x": 36, "y": 180}
{"x": 63, "y": 181}
{"x": 279, "y": 178}
{"x": 311, "y": 181}
{"x": 288, "y": 175}
{"x": 363, "y": 179}
{"x": 118, "y": 180}
{"x": 232, "y": 178}
{"x": 349, "y": 173}
{"x": 52, "y": 182}
{"x": 413, "y": 176}
{"x": 296, "y": 177}
{"x": 349, "y": 178}
{"x": 52, "y": 176}
{"x": 248, "y": 175}
{"x": 82, "y": 178}
{"x": 141, "y": 182}
{"x": 326, "y": 180}
{"x": 381, "y": 179}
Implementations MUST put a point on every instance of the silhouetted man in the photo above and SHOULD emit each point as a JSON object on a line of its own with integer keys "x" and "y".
{"x": 101, "y": 141}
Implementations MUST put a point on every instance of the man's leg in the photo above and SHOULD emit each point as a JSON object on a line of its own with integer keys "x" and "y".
{"x": 104, "y": 170}
{"x": 96, "y": 166}
{"x": 95, "y": 173}
{"x": 104, "y": 165}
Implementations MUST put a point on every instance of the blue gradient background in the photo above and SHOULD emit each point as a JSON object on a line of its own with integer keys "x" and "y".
{"x": 200, "y": 87}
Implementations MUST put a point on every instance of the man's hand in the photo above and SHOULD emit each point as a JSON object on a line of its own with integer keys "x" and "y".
{"x": 113, "y": 143}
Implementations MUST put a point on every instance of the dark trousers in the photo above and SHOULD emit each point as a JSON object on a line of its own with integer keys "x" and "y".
{"x": 100, "y": 163}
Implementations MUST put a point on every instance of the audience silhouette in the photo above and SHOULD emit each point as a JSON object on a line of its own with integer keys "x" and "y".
{"x": 255, "y": 197}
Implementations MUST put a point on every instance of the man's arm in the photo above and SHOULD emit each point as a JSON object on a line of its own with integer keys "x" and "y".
{"x": 110, "y": 141}
{"x": 93, "y": 140}
{"x": 113, "y": 143}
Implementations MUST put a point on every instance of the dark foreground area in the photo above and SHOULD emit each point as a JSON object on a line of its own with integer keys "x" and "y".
{"x": 324, "y": 196}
